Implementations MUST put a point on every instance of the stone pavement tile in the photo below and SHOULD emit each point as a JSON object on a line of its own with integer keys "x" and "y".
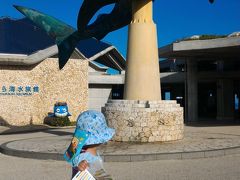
{"x": 117, "y": 158}
{"x": 214, "y": 153}
{"x": 143, "y": 157}
{"x": 169, "y": 156}
{"x": 232, "y": 151}
{"x": 192, "y": 155}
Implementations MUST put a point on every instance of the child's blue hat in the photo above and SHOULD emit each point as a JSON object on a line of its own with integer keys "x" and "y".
{"x": 95, "y": 124}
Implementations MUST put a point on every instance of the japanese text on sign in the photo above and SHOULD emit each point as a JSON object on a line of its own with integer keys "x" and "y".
{"x": 14, "y": 90}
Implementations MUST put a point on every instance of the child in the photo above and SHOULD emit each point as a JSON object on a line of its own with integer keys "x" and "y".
{"x": 94, "y": 124}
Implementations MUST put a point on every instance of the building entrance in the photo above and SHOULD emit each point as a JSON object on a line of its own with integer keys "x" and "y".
{"x": 207, "y": 100}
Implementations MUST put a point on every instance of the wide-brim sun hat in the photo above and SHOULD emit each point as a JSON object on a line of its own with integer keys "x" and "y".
{"x": 95, "y": 124}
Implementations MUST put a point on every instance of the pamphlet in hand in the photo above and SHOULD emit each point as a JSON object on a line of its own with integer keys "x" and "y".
{"x": 74, "y": 149}
{"x": 82, "y": 175}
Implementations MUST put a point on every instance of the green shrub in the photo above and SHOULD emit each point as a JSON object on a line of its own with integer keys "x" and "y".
{"x": 57, "y": 121}
{"x": 202, "y": 37}
{"x": 206, "y": 36}
{"x": 73, "y": 123}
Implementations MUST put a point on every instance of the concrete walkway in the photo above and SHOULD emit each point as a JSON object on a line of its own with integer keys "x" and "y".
{"x": 199, "y": 142}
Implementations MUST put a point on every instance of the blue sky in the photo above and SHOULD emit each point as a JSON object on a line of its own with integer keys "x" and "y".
{"x": 175, "y": 19}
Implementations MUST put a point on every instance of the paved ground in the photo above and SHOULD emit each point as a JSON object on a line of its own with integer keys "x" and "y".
{"x": 222, "y": 167}
{"x": 198, "y": 142}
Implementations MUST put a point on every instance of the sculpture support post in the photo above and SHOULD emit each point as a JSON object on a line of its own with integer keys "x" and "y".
{"x": 142, "y": 116}
{"x": 142, "y": 81}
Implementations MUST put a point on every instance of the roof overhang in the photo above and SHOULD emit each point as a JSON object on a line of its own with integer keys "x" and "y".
{"x": 32, "y": 59}
{"x": 172, "y": 77}
{"x": 110, "y": 57}
{"x": 106, "y": 57}
{"x": 223, "y": 47}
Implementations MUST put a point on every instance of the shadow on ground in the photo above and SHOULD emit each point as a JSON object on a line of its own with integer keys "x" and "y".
{"x": 6, "y": 128}
{"x": 213, "y": 123}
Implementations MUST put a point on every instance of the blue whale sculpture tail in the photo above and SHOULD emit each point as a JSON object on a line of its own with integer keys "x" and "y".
{"x": 66, "y": 48}
{"x": 65, "y": 36}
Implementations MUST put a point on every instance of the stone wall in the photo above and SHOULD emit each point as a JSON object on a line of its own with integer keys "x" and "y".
{"x": 145, "y": 121}
{"x": 28, "y": 93}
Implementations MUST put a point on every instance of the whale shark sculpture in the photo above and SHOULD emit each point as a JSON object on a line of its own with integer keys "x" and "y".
{"x": 67, "y": 37}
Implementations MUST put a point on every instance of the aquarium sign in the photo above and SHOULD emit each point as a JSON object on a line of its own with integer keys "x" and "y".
{"x": 18, "y": 90}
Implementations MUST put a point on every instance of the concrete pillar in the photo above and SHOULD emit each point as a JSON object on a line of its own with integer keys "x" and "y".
{"x": 225, "y": 99}
{"x": 142, "y": 72}
{"x": 192, "y": 91}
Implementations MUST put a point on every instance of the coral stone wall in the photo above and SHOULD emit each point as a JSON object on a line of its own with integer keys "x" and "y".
{"x": 145, "y": 121}
{"x": 28, "y": 93}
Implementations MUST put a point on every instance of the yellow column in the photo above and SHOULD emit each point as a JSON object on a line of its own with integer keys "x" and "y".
{"x": 142, "y": 80}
